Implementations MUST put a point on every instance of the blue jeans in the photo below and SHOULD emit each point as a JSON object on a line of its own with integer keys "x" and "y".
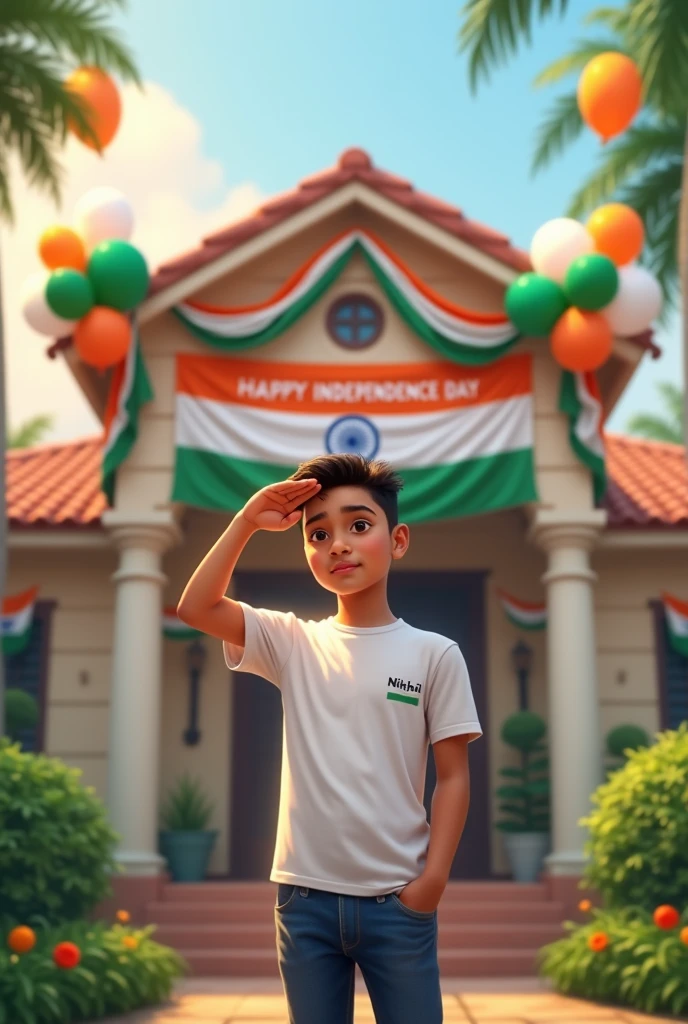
{"x": 322, "y": 935}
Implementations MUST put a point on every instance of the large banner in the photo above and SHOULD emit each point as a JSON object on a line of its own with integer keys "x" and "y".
{"x": 461, "y": 437}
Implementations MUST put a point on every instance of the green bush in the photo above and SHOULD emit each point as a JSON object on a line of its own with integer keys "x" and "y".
{"x": 624, "y": 738}
{"x": 186, "y": 808}
{"x": 110, "y": 978}
{"x": 56, "y": 845}
{"x": 21, "y": 712}
{"x": 526, "y": 793}
{"x": 638, "y": 833}
{"x": 642, "y": 966}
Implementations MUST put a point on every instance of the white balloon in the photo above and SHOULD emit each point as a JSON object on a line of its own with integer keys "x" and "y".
{"x": 556, "y": 244}
{"x": 36, "y": 310}
{"x": 101, "y": 214}
{"x": 637, "y": 302}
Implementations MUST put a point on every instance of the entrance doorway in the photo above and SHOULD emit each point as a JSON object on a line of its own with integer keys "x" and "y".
{"x": 451, "y": 603}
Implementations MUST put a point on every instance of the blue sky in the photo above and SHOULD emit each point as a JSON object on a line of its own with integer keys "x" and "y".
{"x": 280, "y": 89}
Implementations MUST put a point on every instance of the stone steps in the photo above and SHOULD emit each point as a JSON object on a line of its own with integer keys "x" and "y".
{"x": 486, "y": 929}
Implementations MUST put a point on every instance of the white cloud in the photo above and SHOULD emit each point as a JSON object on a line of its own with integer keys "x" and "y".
{"x": 178, "y": 196}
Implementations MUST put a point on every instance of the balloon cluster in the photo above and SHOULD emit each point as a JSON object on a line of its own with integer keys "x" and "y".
{"x": 95, "y": 277}
{"x": 586, "y": 287}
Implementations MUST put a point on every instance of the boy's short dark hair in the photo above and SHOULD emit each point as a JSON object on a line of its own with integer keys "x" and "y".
{"x": 347, "y": 469}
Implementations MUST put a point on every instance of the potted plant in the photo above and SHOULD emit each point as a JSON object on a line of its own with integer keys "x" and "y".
{"x": 525, "y": 797}
{"x": 185, "y": 840}
{"x": 619, "y": 741}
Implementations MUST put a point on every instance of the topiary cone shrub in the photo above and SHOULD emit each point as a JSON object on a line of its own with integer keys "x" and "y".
{"x": 526, "y": 794}
{"x": 620, "y": 741}
{"x": 56, "y": 846}
{"x": 638, "y": 831}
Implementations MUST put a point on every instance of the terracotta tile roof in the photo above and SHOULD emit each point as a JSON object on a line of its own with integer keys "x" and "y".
{"x": 353, "y": 165}
{"x": 648, "y": 483}
{"x": 58, "y": 485}
{"x": 55, "y": 485}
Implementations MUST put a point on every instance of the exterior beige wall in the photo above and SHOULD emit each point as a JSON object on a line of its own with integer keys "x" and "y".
{"x": 79, "y": 668}
{"x": 626, "y": 665}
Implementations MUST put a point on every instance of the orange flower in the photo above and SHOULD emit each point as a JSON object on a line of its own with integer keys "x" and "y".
{"x": 598, "y": 941}
{"x": 67, "y": 955}
{"x": 584, "y": 905}
{"x": 666, "y": 916}
{"x": 123, "y": 916}
{"x": 21, "y": 939}
{"x": 130, "y": 942}
{"x": 683, "y": 936}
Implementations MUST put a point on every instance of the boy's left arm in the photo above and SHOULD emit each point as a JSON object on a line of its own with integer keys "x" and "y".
{"x": 450, "y": 803}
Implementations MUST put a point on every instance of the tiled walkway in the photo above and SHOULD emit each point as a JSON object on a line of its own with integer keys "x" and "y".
{"x": 489, "y": 1001}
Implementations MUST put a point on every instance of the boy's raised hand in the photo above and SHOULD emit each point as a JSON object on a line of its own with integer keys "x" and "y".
{"x": 272, "y": 507}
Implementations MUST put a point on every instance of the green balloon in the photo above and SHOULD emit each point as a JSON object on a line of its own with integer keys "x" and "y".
{"x": 69, "y": 294}
{"x": 534, "y": 303}
{"x": 119, "y": 275}
{"x": 591, "y": 281}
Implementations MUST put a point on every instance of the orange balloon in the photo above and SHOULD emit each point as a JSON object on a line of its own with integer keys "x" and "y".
{"x": 581, "y": 341}
{"x": 99, "y": 92}
{"x": 618, "y": 231}
{"x": 609, "y": 93}
{"x": 62, "y": 247}
{"x": 102, "y": 337}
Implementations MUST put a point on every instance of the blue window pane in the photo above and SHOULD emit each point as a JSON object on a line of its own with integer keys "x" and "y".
{"x": 344, "y": 332}
{"x": 345, "y": 313}
{"x": 365, "y": 332}
{"x": 366, "y": 313}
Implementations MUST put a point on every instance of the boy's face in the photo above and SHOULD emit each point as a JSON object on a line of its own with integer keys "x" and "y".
{"x": 360, "y": 536}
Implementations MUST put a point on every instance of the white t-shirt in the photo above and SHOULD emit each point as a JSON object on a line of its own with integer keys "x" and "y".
{"x": 360, "y": 705}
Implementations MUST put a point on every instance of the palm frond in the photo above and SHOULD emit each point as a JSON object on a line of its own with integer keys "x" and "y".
{"x": 6, "y": 208}
{"x": 491, "y": 30}
{"x": 658, "y": 33}
{"x": 23, "y": 131}
{"x": 561, "y": 126}
{"x": 654, "y": 428}
{"x": 76, "y": 30}
{"x": 616, "y": 19}
{"x": 39, "y": 76}
{"x": 672, "y": 395}
{"x": 655, "y": 194}
{"x": 575, "y": 60}
{"x": 30, "y": 432}
{"x": 640, "y": 146}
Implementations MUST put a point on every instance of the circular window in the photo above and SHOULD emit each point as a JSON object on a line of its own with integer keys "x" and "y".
{"x": 355, "y": 321}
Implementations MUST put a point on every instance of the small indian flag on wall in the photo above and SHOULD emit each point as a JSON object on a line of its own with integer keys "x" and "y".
{"x": 17, "y": 619}
{"x": 677, "y": 622}
{"x": 523, "y": 614}
{"x": 174, "y": 629}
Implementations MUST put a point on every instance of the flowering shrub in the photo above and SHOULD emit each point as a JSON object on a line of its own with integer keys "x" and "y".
{"x": 627, "y": 956}
{"x": 80, "y": 971}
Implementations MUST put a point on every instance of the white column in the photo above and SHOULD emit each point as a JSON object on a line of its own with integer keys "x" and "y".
{"x": 136, "y": 688}
{"x": 573, "y": 719}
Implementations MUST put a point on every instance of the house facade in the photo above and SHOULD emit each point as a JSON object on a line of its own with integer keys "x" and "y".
{"x": 120, "y": 699}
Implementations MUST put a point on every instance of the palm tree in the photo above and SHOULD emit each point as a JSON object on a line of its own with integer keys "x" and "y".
{"x": 646, "y": 167}
{"x": 41, "y": 41}
{"x": 668, "y": 427}
{"x": 30, "y": 432}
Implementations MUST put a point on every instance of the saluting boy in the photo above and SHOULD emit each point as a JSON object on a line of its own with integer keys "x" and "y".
{"x": 359, "y": 870}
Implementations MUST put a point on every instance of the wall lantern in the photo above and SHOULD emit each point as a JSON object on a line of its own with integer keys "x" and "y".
{"x": 195, "y": 660}
{"x": 522, "y": 661}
